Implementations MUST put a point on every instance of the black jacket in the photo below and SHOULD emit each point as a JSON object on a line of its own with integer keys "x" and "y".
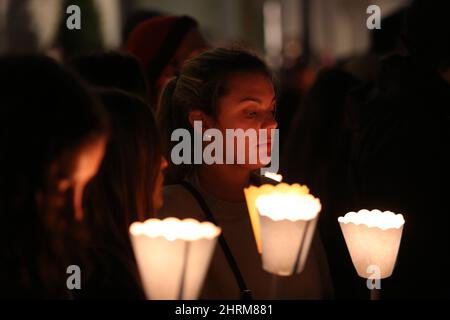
{"x": 400, "y": 162}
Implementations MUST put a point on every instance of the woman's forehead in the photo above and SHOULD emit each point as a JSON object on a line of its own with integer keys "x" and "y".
{"x": 244, "y": 86}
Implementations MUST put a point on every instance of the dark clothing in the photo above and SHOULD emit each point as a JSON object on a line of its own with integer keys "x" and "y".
{"x": 317, "y": 154}
{"x": 113, "y": 275}
{"x": 400, "y": 162}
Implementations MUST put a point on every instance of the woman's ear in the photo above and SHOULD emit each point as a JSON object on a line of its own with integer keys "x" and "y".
{"x": 197, "y": 115}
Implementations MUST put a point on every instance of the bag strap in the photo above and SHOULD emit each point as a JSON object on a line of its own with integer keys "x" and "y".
{"x": 245, "y": 292}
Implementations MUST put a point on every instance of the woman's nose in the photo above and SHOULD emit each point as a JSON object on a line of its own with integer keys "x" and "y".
{"x": 270, "y": 123}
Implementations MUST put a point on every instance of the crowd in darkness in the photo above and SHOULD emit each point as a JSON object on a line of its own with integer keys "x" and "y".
{"x": 86, "y": 143}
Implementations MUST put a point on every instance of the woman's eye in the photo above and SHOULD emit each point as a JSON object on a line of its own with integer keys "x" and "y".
{"x": 273, "y": 110}
{"x": 251, "y": 114}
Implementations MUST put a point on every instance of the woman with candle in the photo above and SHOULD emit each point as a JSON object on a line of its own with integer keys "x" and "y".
{"x": 230, "y": 89}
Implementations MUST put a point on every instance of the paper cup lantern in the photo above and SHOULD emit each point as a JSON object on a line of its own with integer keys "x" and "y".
{"x": 287, "y": 217}
{"x": 373, "y": 239}
{"x": 173, "y": 256}
{"x": 253, "y": 192}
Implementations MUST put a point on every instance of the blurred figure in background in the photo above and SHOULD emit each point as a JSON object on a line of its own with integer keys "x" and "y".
{"x": 135, "y": 18}
{"x": 73, "y": 42}
{"x": 53, "y": 135}
{"x": 162, "y": 44}
{"x": 384, "y": 41}
{"x": 295, "y": 83}
{"x": 112, "y": 70}
{"x": 400, "y": 159}
{"x": 316, "y": 153}
{"x": 18, "y": 35}
{"x": 128, "y": 188}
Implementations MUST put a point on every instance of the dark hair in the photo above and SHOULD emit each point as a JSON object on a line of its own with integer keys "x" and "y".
{"x": 427, "y": 33}
{"x": 112, "y": 70}
{"x": 319, "y": 132}
{"x": 202, "y": 81}
{"x": 45, "y": 113}
{"x": 121, "y": 193}
{"x": 123, "y": 186}
{"x": 388, "y": 38}
{"x": 316, "y": 153}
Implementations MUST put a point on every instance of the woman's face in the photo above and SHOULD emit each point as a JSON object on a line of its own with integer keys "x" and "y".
{"x": 157, "y": 196}
{"x": 69, "y": 175}
{"x": 249, "y": 104}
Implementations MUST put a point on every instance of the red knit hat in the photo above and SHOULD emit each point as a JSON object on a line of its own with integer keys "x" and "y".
{"x": 155, "y": 41}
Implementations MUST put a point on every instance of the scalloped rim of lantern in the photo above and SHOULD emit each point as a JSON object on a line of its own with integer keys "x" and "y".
{"x": 281, "y": 187}
{"x": 175, "y": 229}
{"x": 383, "y": 220}
{"x": 252, "y": 192}
{"x": 292, "y": 206}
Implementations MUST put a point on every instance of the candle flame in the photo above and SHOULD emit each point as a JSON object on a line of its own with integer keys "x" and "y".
{"x": 273, "y": 176}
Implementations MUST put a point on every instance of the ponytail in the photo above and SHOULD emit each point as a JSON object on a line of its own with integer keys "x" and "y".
{"x": 166, "y": 114}
{"x": 170, "y": 116}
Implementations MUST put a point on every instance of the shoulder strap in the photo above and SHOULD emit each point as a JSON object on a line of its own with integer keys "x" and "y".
{"x": 245, "y": 292}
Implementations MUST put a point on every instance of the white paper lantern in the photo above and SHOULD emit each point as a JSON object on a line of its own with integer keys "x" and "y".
{"x": 373, "y": 240}
{"x": 253, "y": 192}
{"x": 284, "y": 219}
{"x": 173, "y": 256}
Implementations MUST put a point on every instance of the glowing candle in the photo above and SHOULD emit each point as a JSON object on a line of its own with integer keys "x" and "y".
{"x": 373, "y": 239}
{"x": 284, "y": 219}
{"x": 173, "y": 256}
